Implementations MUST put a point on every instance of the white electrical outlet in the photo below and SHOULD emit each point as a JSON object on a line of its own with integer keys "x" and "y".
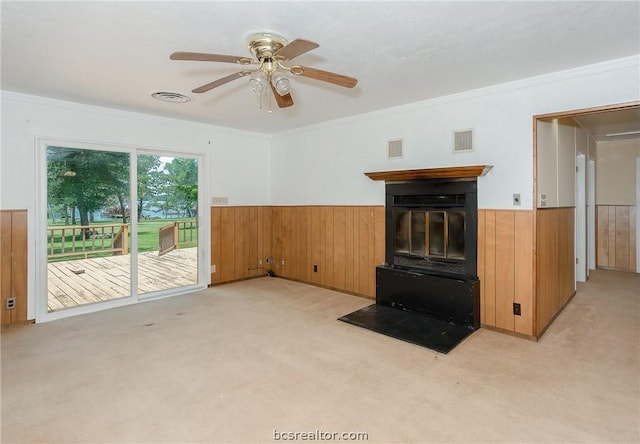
{"x": 213, "y": 268}
{"x": 10, "y": 303}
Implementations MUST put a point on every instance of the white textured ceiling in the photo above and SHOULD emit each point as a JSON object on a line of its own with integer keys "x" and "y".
{"x": 116, "y": 54}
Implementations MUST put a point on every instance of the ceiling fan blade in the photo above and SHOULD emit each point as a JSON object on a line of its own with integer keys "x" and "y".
{"x": 325, "y": 76}
{"x": 204, "y": 57}
{"x": 220, "y": 82}
{"x": 296, "y": 48}
{"x": 282, "y": 101}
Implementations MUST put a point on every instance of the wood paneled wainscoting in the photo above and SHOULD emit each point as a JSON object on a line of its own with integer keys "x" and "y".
{"x": 336, "y": 247}
{"x": 508, "y": 271}
{"x": 240, "y": 238}
{"x": 345, "y": 244}
{"x": 13, "y": 264}
{"x": 505, "y": 269}
{"x": 555, "y": 263}
{"x": 616, "y": 231}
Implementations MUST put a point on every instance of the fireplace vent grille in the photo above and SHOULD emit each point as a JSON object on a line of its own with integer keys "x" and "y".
{"x": 463, "y": 140}
{"x": 395, "y": 149}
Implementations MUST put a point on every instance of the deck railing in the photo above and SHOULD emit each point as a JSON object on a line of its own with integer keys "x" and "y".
{"x": 187, "y": 232}
{"x": 84, "y": 240}
{"x": 172, "y": 236}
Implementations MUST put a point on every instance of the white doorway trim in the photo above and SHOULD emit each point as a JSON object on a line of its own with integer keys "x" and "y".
{"x": 591, "y": 213}
{"x": 581, "y": 219}
{"x": 637, "y": 214}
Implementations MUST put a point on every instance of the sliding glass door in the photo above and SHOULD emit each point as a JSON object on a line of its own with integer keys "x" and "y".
{"x": 121, "y": 224}
{"x": 167, "y": 222}
{"x": 88, "y": 227}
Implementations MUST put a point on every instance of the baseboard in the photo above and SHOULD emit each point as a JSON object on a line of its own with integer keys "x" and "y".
{"x": 509, "y": 332}
{"x": 553, "y": 318}
{"x": 236, "y": 280}
{"x": 625, "y": 270}
{"x": 340, "y": 290}
{"x": 17, "y": 324}
{"x": 370, "y": 298}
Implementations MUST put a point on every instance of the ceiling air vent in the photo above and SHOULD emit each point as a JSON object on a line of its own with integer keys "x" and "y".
{"x": 463, "y": 140}
{"x": 171, "y": 97}
{"x": 395, "y": 149}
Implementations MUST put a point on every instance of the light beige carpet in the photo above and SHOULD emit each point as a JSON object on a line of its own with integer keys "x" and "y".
{"x": 236, "y": 362}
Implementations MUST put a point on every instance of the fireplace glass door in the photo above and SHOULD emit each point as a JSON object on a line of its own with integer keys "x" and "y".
{"x": 455, "y": 234}
{"x": 418, "y": 233}
{"x": 435, "y": 233}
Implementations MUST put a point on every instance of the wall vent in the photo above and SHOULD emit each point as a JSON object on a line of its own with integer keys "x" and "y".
{"x": 395, "y": 149}
{"x": 463, "y": 140}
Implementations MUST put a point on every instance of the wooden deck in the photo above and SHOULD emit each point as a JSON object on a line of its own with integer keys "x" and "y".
{"x": 86, "y": 281}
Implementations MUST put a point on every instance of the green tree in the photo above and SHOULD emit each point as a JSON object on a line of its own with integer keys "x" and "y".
{"x": 183, "y": 184}
{"x": 149, "y": 180}
{"x": 59, "y": 191}
{"x": 86, "y": 179}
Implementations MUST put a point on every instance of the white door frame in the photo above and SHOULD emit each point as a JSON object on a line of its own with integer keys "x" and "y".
{"x": 41, "y": 143}
{"x": 637, "y": 214}
{"x": 591, "y": 213}
{"x": 581, "y": 219}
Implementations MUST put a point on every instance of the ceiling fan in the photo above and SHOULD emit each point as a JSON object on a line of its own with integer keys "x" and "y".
{"x": 269, "y": 52}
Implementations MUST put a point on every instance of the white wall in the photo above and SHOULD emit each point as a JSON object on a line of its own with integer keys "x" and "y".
{"x": 236, "y": 160}
{"x": 324, "y": 164}
{"x": 547, "y": 158}
{"x": 616, "y": 172}
{"x": 566, "y": 163}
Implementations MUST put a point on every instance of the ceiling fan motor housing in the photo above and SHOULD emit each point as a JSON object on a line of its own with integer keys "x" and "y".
{"x": 264, "y": 46}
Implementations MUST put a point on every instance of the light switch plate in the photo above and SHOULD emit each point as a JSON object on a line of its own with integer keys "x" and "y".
{"x": 219, "y": 201}
{"x": 543, "y": 200}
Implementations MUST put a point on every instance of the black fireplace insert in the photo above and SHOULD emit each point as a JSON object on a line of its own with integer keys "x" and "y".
{"x": 427, "y": 291}
{"x": 431, "y": 226}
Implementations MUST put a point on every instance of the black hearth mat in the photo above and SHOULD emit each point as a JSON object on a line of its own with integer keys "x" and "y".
{"x": 409, "y": 326}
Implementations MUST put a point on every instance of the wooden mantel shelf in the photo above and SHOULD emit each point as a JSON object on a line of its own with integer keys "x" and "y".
{"x": 432, "y": 173}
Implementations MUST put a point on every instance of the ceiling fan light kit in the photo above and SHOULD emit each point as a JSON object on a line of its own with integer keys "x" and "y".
{"x": 281, "y": 82}
{"x": 269, "y": 51}
{"x": 258, "y": 81}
